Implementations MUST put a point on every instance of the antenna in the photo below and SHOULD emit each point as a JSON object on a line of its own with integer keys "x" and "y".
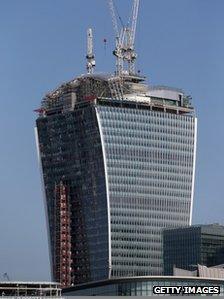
{"x": 125, "y": 40}
{"x": 91, "y": 63}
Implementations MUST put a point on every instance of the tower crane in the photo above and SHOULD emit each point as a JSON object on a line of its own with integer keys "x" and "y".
{"x": 91, "y": 63}
{"x": 125, "y": 40}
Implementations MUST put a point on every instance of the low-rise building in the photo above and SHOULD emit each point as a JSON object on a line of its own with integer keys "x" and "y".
{"x": 148, "y": 286}
{"x": 27, "y": 289}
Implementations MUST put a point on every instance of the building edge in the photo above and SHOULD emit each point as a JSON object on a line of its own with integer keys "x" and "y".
{"x": 194, "y": 167}
{"x": 44, "y": 199}
{"x": 107, "y": 192}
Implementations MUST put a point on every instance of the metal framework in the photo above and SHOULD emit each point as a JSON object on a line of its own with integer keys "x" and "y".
{"x": 91, "y": 63}
{"x": 125, "y": 40}
{"x": 63, "y": 263}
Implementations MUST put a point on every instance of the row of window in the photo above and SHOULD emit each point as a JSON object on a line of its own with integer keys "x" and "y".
{"x": 137, "y": 168}
{"x": 141, "y": 128}
{"x": 131, "y": 114}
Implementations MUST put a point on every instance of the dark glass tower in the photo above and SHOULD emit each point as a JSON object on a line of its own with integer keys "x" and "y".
{"x": 118, "y": 162}
{"x": 187, "y": 247}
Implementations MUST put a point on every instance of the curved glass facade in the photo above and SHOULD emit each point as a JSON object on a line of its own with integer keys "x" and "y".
{"x": 71, "y": 154}
{"x": 139, "y": 286}
{"x": 150, "y": 163}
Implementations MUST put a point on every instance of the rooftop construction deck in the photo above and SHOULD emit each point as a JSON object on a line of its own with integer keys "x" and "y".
{"x": 115, "y": 90}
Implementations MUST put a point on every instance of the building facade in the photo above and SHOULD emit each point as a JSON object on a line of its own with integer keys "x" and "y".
{"x": 187, "y": 247}
{"x": 118, "y": 163}
{"x": 149, "y": 286}
{"x": 201, "y": 271}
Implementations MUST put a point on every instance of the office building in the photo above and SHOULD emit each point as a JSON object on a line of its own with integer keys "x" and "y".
{"x": 118, "y": 162}
{"x": 187, "y": 247}
{"x": 144, "y": 286}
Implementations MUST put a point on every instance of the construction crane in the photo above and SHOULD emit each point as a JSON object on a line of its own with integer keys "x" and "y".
{"x": 91, "y": 63}
{"x": 5, "y": 276}
{"x": 125, "y": 40}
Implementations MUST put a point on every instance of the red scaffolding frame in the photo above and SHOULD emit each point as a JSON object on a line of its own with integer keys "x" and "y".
{"x": 63, "y": 261}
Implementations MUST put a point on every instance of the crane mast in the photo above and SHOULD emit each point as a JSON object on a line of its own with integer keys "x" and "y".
{"x": 91, "y": 63}
{"x": 125, "y": 40}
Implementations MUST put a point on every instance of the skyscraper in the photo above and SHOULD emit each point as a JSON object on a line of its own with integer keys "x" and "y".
{"x": 118, "y": 164}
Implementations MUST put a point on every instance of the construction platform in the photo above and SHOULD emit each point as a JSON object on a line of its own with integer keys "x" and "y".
{"x": 114, "y": 89}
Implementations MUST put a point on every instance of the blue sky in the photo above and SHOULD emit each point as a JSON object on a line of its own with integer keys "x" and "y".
{"x": 180, "y": 43}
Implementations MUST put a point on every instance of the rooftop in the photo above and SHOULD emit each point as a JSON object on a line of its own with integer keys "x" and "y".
{"x": 129, "y": 88}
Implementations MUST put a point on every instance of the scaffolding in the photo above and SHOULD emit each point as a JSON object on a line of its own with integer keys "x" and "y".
{"x": 88, "y": 88}
{"x": 116, "y": 88}
{"x": 63, "y": 261}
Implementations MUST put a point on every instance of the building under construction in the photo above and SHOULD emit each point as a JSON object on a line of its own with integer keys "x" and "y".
{"x": 118, "y": 161}
{"x": 29, "y": 289}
